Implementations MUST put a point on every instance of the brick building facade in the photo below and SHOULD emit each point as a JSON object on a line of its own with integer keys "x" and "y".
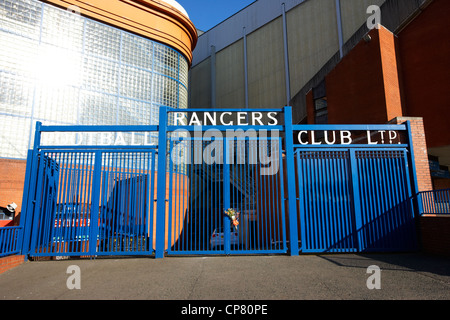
{"x": 396, "y": 76}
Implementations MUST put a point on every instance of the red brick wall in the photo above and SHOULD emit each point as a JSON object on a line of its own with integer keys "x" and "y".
{"x": 424, "y": 54}
{"x": 12, "y": 178}
{"x": 440, "y": 183}
{"x": 388, "y": 47}
{"x": 7, "y": 263}
{"x": 364, "y": 86}
{"x": 435, "y": 234}
{"x": 420, "y": 151}
{"x": 6, "y": 223}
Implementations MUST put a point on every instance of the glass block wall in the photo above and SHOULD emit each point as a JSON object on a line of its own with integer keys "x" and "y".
{"x": 63, "y": 69}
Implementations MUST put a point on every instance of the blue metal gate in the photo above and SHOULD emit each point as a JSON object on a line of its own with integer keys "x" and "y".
{"x": 297, "y": 188}
{"x": 355, "y": 200}
{"x": 90, "y": 203}
{"x": 325, "y": 202}
{"x": 233, "y": 180}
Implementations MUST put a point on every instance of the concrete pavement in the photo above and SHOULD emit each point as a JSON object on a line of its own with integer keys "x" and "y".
{"x": 311, "y": 277}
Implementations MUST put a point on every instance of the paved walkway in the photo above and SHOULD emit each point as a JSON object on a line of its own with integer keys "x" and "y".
{"x": 316, "y": 277}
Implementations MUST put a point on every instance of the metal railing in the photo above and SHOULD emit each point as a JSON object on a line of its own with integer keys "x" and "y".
{"x": 10, "y": 240}
{"x": 434, "y": 201}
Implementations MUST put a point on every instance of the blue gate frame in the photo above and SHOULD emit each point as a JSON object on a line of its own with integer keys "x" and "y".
{"x": 234, "y": 181}
{"x": 120, "y": 200}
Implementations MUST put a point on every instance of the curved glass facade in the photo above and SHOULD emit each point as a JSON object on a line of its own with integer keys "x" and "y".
{"x": 63, "y": 69}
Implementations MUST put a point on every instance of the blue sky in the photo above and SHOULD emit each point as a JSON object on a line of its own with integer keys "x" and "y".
{"x": 205, "y": 14}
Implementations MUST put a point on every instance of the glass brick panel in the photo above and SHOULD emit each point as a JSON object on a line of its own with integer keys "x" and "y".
{"x": 62, "y": 29}
{"x": 97, "y": 109}
{"x": 60, "y": 68}
{"x": 132, "y": 112}
{"x": 100, "y": 75}
{"x": 21, "y": 17}
{"x": 102, "y": 41}
{"x": 18, "y": 54}
{"x": 57, "y": 104}
{"x": 16, "y": 95}
{"x": 135, "y": 83}
{"x": 137, "y": 51}
{"x": 14, "y": 136}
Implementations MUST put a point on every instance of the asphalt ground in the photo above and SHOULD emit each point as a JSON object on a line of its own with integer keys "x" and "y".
{"x": 187, "y": 281}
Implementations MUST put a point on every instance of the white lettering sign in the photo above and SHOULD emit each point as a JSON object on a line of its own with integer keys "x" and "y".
{"x": 345, "y": 137}
{"x": 224, "y": 119}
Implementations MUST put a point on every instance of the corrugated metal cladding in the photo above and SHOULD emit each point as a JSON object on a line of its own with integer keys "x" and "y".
{"x": 229, "y": 31}
{"x": 242, "y": 61}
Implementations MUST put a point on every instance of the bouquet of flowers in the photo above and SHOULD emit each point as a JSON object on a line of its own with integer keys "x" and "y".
{"x": 234, "y": 216}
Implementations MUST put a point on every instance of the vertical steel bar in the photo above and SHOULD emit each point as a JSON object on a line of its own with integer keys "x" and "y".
{"x": 340, "y": 28}
{"x": 193, "y": 189}
{"x": 315, "y": 202}
{"x": 388, "y": 216}
{"x": 363, "y": 164}
{"x": 409, "y": 196}
{"x": 280, "y": 180}
{"x": 301, "y": 209}
{"x": 412, "y": 169}
{"x": 331, "y": 201}
{"x": 161, "y": 192}
{"x": 226, "y": 195}
{"x": 382, "y": 216}
{"x": 95, "y": 203}
{"x": 356, "y": 199}
{"x": 370, "y": 162}
{"x": 286, "y": 55}
{"x": 340, "y": 198}
{"x": 27, "y": 199}
{"x": 150, "y": 221}
{"x": 170, "y": 229}
{"x": 37, "y": 211}
{"x": 395, "y": 189}
{"x": 290, "y": 168}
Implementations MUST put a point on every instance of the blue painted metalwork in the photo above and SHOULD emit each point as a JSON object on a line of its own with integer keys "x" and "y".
{"x": 170, "y": 198}
{"x": 411, "y": 163}
{"x": 10, "y": 240}
{"x": 289, "y": 147}
{"x": 214, "y": 187}
{"x": 326, "y": 211}
{"x": 355, "y": 200}
{"x": 435, "y": 201}
{"x": 387, "y": 217}
{"x": 356, "y": 197}
{"x": 161, "y": 192}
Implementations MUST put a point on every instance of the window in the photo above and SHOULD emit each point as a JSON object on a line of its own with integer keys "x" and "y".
{"x": 4, "y": 216}
{"x": 321, "y": 111}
